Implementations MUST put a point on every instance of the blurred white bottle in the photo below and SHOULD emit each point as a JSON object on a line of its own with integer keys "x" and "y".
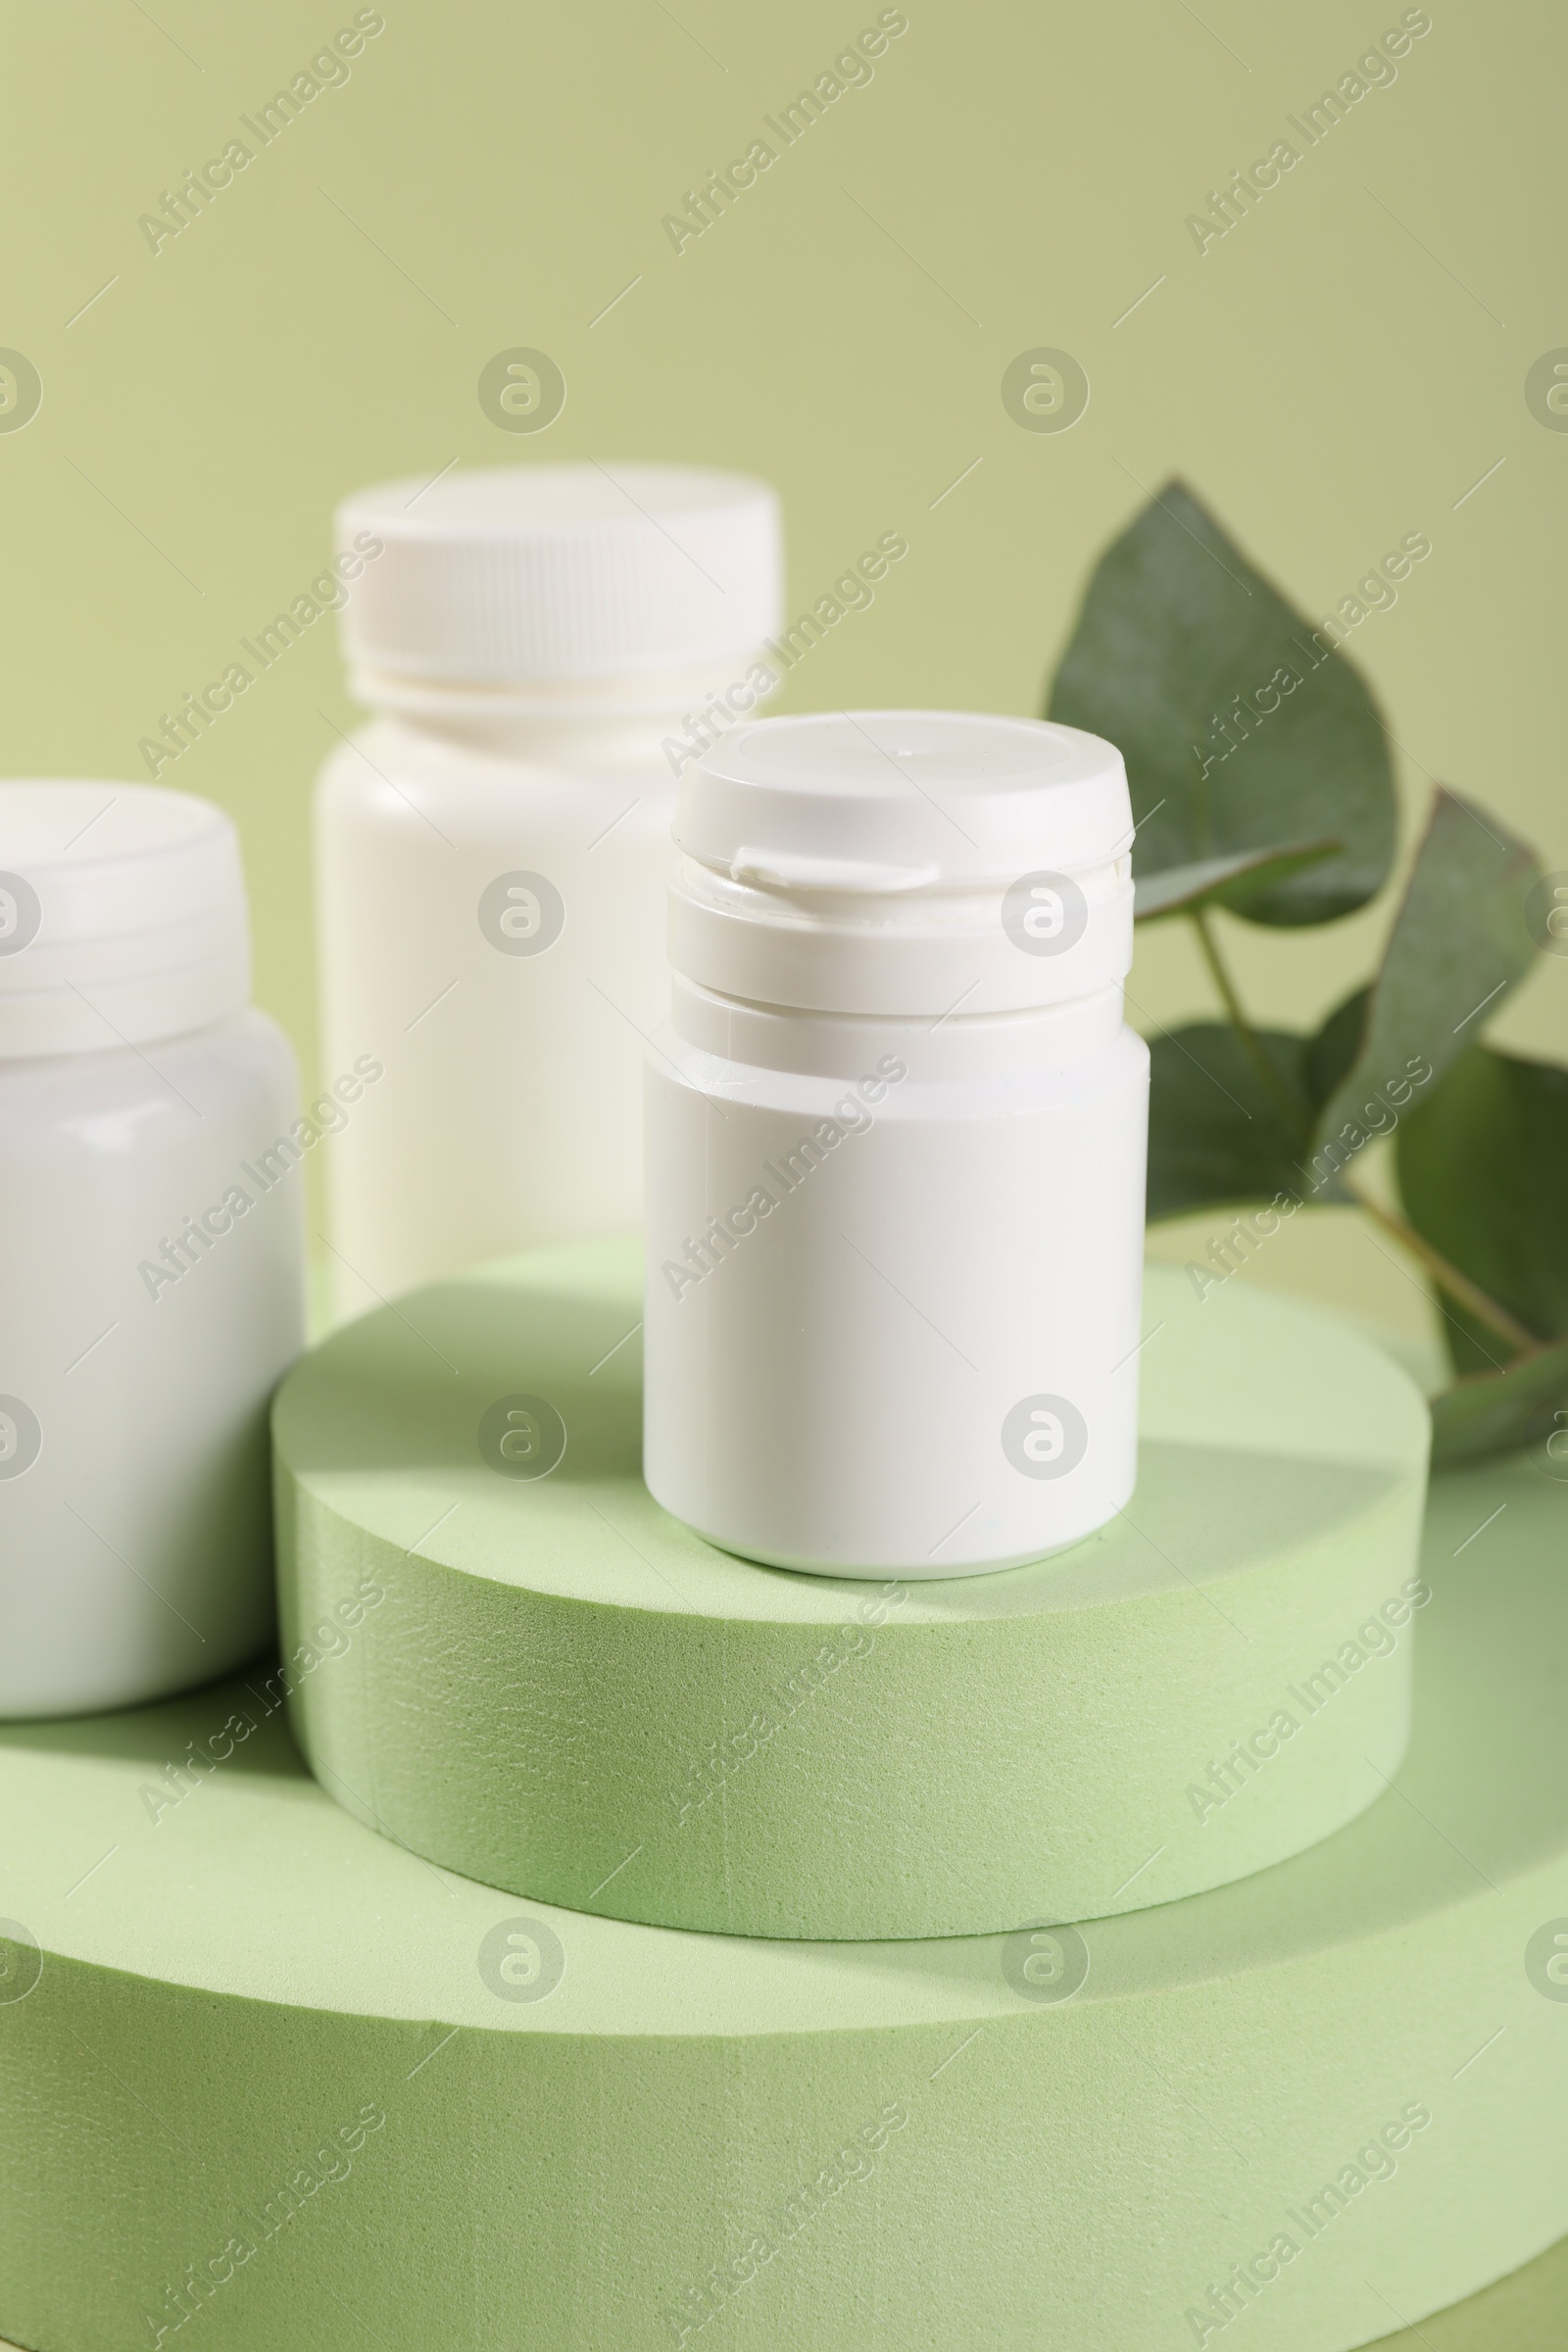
{"x": 896, "y": 1147}
{"x": 492, "y": 849}
{"x": 150, "y": 1250}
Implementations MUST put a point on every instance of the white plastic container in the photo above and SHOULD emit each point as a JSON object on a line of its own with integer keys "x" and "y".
{"x": 493, "y": 849}
{"x": 151, "y": 1261}
{"x": 896, "y": 1147}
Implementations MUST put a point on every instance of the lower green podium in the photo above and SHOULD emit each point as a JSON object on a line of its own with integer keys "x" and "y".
{"x": 268, "y": 2080}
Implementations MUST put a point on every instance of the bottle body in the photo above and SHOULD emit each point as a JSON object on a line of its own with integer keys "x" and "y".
{"x": 894, "y": 1286}
{"x": 544, "y": 644}
{"x": 151, "y": 1264}
{"x": 492, "y": 928}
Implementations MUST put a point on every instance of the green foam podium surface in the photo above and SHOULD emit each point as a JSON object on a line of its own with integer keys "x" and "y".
{"x": 1526, "y": 2312}
{"x": 1522, "y": 2313}
{"x": 565, "y": 1692}
{"x": 268, "y": 2077}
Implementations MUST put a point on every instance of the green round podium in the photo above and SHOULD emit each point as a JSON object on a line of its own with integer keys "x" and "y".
{"x": 565, "y": 1692}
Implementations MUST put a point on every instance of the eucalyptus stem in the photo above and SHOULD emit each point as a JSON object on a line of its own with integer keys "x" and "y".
{"x": 1446, "y": 1275}
{"x": 1268, "y": 1074}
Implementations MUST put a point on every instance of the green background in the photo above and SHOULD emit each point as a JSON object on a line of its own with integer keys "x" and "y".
{"x": 1338, "y": 370}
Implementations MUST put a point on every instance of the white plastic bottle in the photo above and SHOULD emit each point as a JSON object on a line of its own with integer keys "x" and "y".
{"x": 493, "y": 847}
{"x": 896, "y": 1147}
{"x": 150, "y": 1250}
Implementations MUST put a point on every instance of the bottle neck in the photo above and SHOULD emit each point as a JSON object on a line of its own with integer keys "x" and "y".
{"x": 834, "y": 1044}
{"x": 668, "y": 715}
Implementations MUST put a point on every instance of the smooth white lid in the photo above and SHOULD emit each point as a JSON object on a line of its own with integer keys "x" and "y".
{"x": 555, "y": 572}
{"x": 122, "y": 917}
{"x": 872, "y": 800}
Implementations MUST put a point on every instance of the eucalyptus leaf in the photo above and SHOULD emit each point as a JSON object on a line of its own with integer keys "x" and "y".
{"x": 1483, "y": 1170}
{"x": 1218, "y": 1138}
{"x": 1219, "y": 881}
{"x": 1242, "y": 732}
{"x": 1459, "y": 943}
{"x": 1526, "y": 1403}
{"x": 1331, "y": 1057}
{"x": 1333, "y": 1052}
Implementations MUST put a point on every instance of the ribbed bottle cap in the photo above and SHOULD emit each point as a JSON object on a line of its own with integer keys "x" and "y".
{"x": 121, "y": 917}
{"x": 538, "y": 574}
{"x": 872, "y": 800}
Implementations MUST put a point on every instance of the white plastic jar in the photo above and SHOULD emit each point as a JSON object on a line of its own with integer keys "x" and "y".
{"x": 150, "y": 1250}
{"x": 538, "y": 643}
{"x": 896, "y": 1147}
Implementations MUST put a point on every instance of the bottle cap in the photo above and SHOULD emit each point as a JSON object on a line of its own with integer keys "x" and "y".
{"x": 528, "y": 574}
{"x": 122, "y": 917}
{"x": 892, "y": 861}
{"x": 904, "y": 799}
